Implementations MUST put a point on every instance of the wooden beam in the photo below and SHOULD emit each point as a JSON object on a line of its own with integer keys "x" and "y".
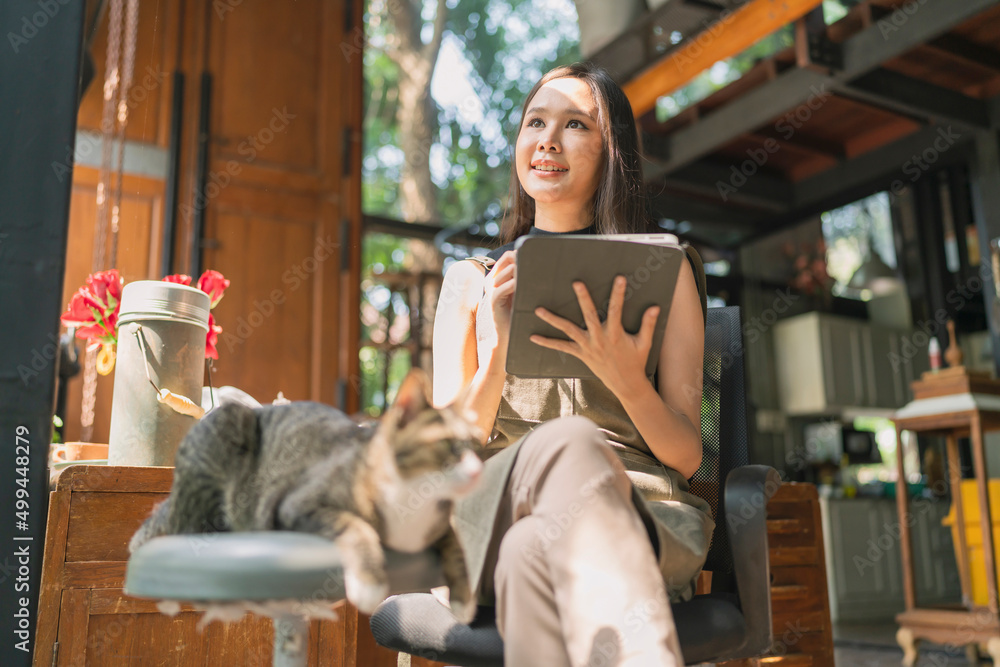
{"x": 880, "y": 135}
{"x": 803, "y": 140}
{"x": 900, "y": 160}
{"x": 762, "y": 191}
{"x": 865, "y": 175}
{"x": 649, "y": 37}
{"x": 728, "y": 36}
{"x": 971, "y": 52}
{"x": 914, "y": 97}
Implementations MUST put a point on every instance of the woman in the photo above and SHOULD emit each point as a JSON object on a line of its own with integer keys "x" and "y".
{"x": 576, "y": 528}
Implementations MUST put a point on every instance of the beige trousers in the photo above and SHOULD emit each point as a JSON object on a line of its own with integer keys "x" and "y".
{"x": 572, "y": 567}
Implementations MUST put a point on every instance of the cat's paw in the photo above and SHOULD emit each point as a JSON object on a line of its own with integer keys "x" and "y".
{"x": 365, "y": 593}
{"x": 463, "y": 611}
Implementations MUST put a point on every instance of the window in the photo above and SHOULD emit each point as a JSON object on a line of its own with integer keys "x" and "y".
{"x": 437, "y": 123}
{"x": 855, "y": 234}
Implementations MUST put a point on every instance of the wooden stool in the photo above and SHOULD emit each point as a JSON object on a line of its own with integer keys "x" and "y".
{"x": 952, "y": 403}
{"x": 276, "y": 572}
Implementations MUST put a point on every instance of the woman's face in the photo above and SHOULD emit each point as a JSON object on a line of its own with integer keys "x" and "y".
{"x": 559, "y": 153}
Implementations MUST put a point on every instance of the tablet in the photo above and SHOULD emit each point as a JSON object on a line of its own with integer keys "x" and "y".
{"x": 548, "y": 265}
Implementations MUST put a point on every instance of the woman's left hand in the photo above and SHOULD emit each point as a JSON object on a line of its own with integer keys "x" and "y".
{"x": 615, "y": 356}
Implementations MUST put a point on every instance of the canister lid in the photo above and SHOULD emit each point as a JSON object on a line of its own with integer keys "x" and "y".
{"x": 158, "y": 300}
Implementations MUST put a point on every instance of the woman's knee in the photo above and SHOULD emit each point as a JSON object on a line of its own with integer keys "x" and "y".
{"x": 521, "y": 557}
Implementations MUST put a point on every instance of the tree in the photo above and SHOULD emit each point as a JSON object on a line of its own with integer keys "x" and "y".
{"x": 415, "y": 110}
{"x": 449, "y": 163}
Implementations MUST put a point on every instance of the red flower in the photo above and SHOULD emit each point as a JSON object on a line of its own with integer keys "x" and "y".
{"x": 106, "y": 287}
{"x": 214, "y": 284}
{"x": 93, "y": 309}
{"x": 77, "y": 312}
{"x": 211, "y": 351}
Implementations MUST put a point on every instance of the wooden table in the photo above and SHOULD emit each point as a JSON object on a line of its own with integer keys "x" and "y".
{"x": 953, "y": 416}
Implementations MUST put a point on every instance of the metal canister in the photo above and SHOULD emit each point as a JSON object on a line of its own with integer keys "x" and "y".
{"x": 161, "y": 345}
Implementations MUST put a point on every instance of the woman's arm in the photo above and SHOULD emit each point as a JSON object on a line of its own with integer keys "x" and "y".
{"x": 463, "y": 369}
{"x": 668, "y": 417}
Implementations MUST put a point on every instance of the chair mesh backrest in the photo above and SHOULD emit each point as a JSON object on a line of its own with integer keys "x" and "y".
{"x": 724, "y": 433}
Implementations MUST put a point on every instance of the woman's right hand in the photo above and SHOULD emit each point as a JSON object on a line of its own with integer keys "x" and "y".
{"x": 499, "y": 290}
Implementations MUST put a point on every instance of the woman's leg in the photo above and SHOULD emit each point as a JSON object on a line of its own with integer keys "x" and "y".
{"x": 576, "y": 579}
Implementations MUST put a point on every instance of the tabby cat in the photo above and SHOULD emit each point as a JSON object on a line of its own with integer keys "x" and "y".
{"x": 308, "y": 467}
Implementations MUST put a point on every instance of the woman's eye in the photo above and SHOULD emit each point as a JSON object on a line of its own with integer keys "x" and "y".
{"x": 535, "y": 122}
{"x": 576, "y": 124}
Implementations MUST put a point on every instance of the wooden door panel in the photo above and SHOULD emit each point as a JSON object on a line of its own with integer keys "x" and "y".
{"x": 121, "y": 639}
{"x": 100, "y": 525}
{"x": 266, "y": 316}
{"x": 267, "y": 101}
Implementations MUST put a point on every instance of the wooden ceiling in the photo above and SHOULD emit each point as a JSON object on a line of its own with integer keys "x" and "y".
{"x": 841, "y": 111}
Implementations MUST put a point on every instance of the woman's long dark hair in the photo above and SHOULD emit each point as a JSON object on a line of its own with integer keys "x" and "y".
{"x": 620, "y": 204}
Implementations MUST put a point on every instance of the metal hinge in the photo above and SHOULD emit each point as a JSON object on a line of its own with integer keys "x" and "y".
{"x": 345, "y": 244}
{"x": 341, "y": 397}
{"x": 55, "y": 653}
{"x": 345, "y": 147}
{"x": 348, "y": 15}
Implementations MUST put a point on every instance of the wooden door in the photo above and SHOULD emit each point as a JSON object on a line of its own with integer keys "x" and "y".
{"x": 279, "y": 154}
{"x": 281, "y": 196}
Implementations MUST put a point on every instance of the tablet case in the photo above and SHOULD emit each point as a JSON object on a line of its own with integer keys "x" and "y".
{"x": 547, "y": 266}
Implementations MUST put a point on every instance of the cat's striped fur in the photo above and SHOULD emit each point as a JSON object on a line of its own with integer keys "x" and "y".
{"x": 308, "y": 467}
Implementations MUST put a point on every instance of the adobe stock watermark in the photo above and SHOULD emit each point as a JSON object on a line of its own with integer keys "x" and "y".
{"x": 560, "y": 522}
{"x": 353, "y": 45}
{"x": 917, "y": 165}
{"x": 752, "y": 330}
{"x": 224, "y": 7}
{"x": 786, "y": 126}
{"x": 41, "y": 360}
{"x": 891, "y": 532}
{"x": 30, "y": 25}
{"x": 692, "y": 50}
{"x": 928, "y": 328}
{"x": 250, "y": 147}
{"x": 814, "y": 446}
{"x": 293, "y": 278}
{"x": 610, "y": 644}
{"x": 752, "y": 505}
{"x": 897, "y": 19}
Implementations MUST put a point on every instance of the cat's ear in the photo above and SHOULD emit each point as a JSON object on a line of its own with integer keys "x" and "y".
{"x": 413, "y": 397}
{"x": 460, "y": 405}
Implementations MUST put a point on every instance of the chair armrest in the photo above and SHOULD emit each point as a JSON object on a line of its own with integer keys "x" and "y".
{"x": 748, "y": 489}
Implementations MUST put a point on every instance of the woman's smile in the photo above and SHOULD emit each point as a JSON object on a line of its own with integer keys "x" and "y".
{"x": 547, "y": 168}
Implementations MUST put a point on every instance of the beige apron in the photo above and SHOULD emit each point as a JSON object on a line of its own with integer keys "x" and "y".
{"x": 679, "y": 522}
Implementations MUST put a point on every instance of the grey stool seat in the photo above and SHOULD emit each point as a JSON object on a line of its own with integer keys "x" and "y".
{"x": 262, "y": 566}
